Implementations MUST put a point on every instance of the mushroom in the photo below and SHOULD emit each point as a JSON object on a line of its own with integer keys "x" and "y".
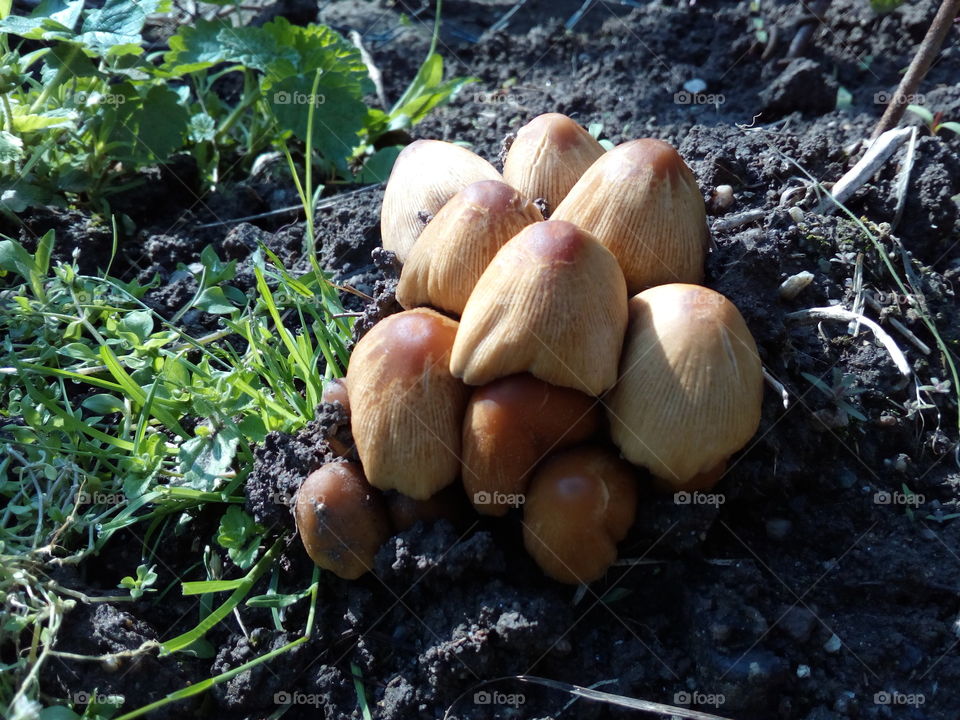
{"x": 336, "y": 430}
{"x": 642, "y": 202}
{"x": 335, "y": 391}
{"x": 548, "y": 156}
{"x": 449, "y": 504}
{"x": 407, "y": 409}
{"x": 342, "y": 521}
{"x": 580, "y": 504}
{"x": 690, "y": 388}
{"x": 455, "y": 248}
{"x": 425, "y": 175}
{"x": 552, "y": 303}
{"x": 510, "y": 425}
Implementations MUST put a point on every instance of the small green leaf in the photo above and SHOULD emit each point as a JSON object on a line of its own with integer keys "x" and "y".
{"x": 205, "y": 459}
{"x": 921, "y": 112}
{"x": 11, "y": 147}
{"x": 951, "y": 126}
{"x": 103, "y": 404}
{"x": 138, "y": 322}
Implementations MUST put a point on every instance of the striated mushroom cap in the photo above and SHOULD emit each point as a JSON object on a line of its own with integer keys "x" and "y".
{"x": 548, "y": 156}
{"x": 552, "y": 303}
{"x": 457, "y": 246}
{"x": 406, "y": 408}
{"x": 510, "y": 426}
{"x": 342, "y": 521}
{"x": 641, "y": 201}
{"x": 691, "y": 385}
{"x": 580, "y": 504}
{"x": 425, "y": 175}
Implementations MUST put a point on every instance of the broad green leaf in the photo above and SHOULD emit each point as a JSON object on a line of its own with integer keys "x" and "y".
{"x": 338, "y": 119}
{"x": 11, "y": 147}
{"x": 138, "y": 322}
{"x": 149, "y": 129}
{"x": 49, "y": 14}
{"x": 212, "y": 300}
{"x": 195, "y": 48}
{"x": 31, "y": 122}
{"x": 377, "y": 168}
{"x": 205, "y": 459}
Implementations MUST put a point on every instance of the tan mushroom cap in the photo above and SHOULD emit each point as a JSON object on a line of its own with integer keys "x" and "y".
{"x": 425, "y": 175}
{"x": 642, "y": 202}
{"x": 406, "y": 408}
{"x": 458, "y": 244}
{"x": 580, "y": 504}
{"x": 342, "y": 521}
{"x": 510, "y": 426}
{"x": 552, "y": 303}
{"x": 548, "y": 156}
{"x": 691, "y": 384}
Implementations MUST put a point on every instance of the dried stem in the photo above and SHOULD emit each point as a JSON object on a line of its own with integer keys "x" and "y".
{"x": 927, "y": 51}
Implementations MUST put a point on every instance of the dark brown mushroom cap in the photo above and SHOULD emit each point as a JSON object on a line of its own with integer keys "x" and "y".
{"x": 511, "y": 424}
{"x": 341, "y": 519}
{"x": 580, "y": 504}
{"x": 691, "y": 383}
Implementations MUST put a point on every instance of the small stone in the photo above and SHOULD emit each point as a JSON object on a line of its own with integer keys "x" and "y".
{"x": 833, "y": 644}
{"x": 803, "y": 671}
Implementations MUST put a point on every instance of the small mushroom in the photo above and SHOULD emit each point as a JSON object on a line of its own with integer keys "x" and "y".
{"x": 690, "y": 388}
{"x": 548, "y": 156}
{"x": 510, "y": 426}
{"x": 552, "y": 303}
{"x": 342, "y": 521}
{"x": 407, "y": 409}
{"x": 425, "y": 175}
{"x": 335, "y": 391}
{"x": 642, "y": 202}
{"x": 449, "y": 504}
{"x": 580, "y": 504}
{"x": 455, "y": 248}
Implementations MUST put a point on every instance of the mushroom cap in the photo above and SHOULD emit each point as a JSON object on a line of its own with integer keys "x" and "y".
{"x": 406, "y": 408}
{"x": 510, "y": 426}
{"x": 580, "y": 504}
{"x": 548, "y": 156}
{"x": 457, "y": 245}
{"x": 553, "y": 303}
{"x": 691, "y": 383}
{"x": 341, "y": 519}
{"x": 425, "y": 175}
{"x": 642, "y": 202}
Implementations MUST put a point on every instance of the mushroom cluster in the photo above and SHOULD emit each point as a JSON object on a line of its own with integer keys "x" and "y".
{"x": 540, "y": 364}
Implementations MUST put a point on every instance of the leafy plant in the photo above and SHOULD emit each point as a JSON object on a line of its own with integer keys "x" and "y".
{"x": 146, "y": 576}
{"x": 89, "y": 108}
{"x": 934, "y": 120}
{"x": 839, "y": 392}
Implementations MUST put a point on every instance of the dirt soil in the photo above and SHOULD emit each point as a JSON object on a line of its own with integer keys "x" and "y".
{"x": 825, "y": 585}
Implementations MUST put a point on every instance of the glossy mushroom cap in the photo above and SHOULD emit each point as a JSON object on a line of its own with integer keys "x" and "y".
{"x": 580, "y": 504}
{"x": 342, "y": 521}
{"x": 552, "y": 303}
{"x": 548, "y": 156}
{"x": 691, "y": 385}
{"x": 425, "y": 175}
{"x": 457, "y": 246}
{"x": 407, "y": 409}
{"x": 642, "y": 202}
{"x": 510, "y": 426}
